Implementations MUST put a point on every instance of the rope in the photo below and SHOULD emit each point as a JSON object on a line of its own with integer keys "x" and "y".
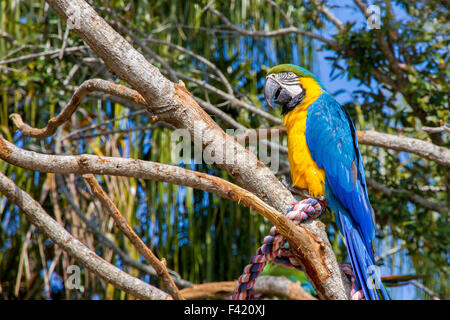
{"x": 276, "y": 249}
{"x": 356, "y": 294}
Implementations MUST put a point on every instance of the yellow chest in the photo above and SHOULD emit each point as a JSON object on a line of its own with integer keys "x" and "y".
{"x": 305, "y": 173}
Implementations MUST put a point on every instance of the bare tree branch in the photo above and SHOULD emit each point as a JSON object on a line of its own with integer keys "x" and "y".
{"x": 159, "y": 124}
{"x": 103, "y": 123}
{"x": 106, "y": 271}
{"x": 424, "y": 149}
{"x": 412, "y": 197}
{"x": 442, "y": 128}
{"x": 203, "y": 60}
{"x": 427, "y": 290}
{"x": 210, "y": 290}
{"x": 123, "y": 225}
{"x": 234, "y": 101}
{"x": 329, "y": 15}
{"x": 42, "y": 54}
{"x": 388, "y": 253}
{"x": 219, "y": 113}
{"x": 265, "y": 285}
{"x": 281, "y": 11}
{"x": 271, "y": 34}
{"x": 281, "y": 287}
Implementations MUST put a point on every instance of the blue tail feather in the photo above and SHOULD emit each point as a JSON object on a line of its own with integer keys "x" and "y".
{"x": 363, "y": 262}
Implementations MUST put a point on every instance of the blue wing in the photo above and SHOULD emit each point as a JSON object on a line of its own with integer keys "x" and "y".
{"x": 331, "y": 139}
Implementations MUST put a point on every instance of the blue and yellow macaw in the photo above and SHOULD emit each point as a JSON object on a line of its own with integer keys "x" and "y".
{"x": 325, "y": 160}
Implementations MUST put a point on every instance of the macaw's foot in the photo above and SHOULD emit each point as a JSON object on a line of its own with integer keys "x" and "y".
{"x": 295, "y": 191}
{"x": 307, "y": 208}
{"x": 303, "y": 193}
{"x": 356, "y": 294}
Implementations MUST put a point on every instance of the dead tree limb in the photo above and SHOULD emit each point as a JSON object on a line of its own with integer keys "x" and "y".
{"x": 123, "y": 225}
{"x": 106, "y": 271}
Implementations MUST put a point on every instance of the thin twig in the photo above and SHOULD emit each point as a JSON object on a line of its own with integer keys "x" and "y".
{"x": 42, "y": 54}
{"x": 270, "y": 34}
{"x": 412, "y": 197}
{"x": 104, "y": 240}
{"x": 235, "y": 102}
{"x": 63, "y": 47}
{"x": 388, "y": 253}
{"x": 159, "y": 124}
{"x": 205, "y": 61}
{"x": 219, "y": 113}
{"x": 97, "y": 125}
{"x": 123, "y": 225}
{"x": 44, "y": 267}
{"x": 330, "y": 16}
{"x": 442, "y": 128}
{"x": 427, "y": 290}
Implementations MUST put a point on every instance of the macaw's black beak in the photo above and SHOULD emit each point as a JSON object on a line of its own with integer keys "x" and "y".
{"x": 274, "y": 92}
{"x": 271, "y": 91}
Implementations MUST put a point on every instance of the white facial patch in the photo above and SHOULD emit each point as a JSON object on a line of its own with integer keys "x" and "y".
{"x": 294, "y": 89}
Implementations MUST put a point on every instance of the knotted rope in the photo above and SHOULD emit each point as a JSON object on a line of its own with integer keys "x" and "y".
{"x": 276, "y": 249}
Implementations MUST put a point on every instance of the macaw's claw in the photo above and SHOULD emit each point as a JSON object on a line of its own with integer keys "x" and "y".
{"x": 295, "y": 191}
{"x": 303, "y": 193}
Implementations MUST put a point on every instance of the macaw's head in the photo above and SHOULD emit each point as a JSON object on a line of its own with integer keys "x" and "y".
{"x": 289, "y": 86}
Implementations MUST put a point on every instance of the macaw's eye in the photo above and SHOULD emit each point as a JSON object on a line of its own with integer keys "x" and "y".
{"x": 291, "y": 74}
